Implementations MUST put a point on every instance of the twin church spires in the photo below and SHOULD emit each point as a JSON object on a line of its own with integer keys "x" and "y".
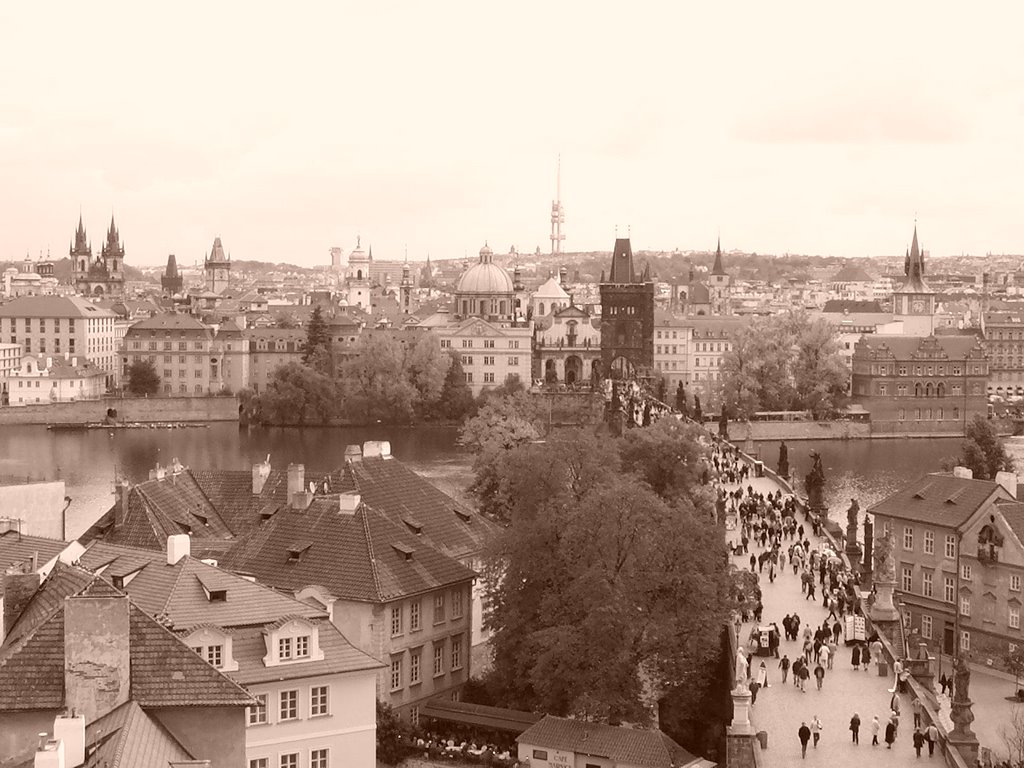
{"x": 102, "y": 275}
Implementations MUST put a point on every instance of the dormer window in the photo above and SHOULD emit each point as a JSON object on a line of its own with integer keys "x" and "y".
{"x": 214, "y": 646}
{"x": 462, "y": 514}
{"x": 293, "y": 640}
{"x": 302, "y": 647}
{"x": 413, "y": 525}
{"x": 218, "y": 595}
{"x": 296, "y": 550}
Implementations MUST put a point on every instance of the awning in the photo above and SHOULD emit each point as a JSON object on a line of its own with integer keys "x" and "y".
{"x": 496, "y": 718}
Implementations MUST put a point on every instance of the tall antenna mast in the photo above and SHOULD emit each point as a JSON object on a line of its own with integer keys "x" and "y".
{"x": 557, "y": 213}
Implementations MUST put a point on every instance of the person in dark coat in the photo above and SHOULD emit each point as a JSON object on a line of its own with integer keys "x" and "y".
{"x": 855, "y": 728}
{"x": 865, "y": 656}
{"x": 918, "y": 741}
{"x": 890, "y": 734}
{"x": 805, "y": 736}
{"x": 855, "y": 656}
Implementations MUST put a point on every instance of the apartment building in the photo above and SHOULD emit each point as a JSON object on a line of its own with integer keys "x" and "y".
{"x": 181, "y": 349}
{"x": 58, "y": 324}
{"x": 491, "y": 353}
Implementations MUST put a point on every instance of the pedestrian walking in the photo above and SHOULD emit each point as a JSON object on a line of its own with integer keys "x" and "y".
{"x": 784, "y": 666}
{"x": 875, "y": 727}
{"x": 815, "y": 730}
{"x": 855, "y": 728}
{"x": 837, "y": 630}
{"x": 804, "y": 733}
{"x": 890, "y": 734}
{"x": 915, "y": 706}
{"x": 762, "y": 676}
{"x": 918, "y": 741}
{"x": 855, "y": 656}
{"x": 932, "y": 735}
{"x": 832, "y": 650}
{"x": 825, "y": 657}
{"x": 804, "y": 674}
{"x": 865, "y": 657}
{"x": 819, "y": 675}
{"x": 754, "y": 688}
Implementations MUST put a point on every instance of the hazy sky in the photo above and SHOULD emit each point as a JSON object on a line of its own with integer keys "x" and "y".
{"x": 288, "y": 128}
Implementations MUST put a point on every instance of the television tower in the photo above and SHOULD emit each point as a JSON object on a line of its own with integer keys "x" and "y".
{"x": 557, "y": 214}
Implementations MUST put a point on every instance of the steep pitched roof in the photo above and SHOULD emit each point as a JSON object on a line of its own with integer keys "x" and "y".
{"x": 905, "y": 347}
{"x": 632, "y": 746}
{"x": 178, "y": 595}
{"x": 128, "y": 737}
{"x": 717, "y": 268}
{"x": 164, "y": 671}
{"x": 52, "y": 306}
{"x": 851, "y": 272}
{"x": 622, "y": 270}
{"x": 940, "y": 499}
{"x": 409, "y": 500}
{"x": 16, "y": 548}
{"x": 362, "y": 556}
{"x": 170, "y": 321}
{"x": 853, "y": 306}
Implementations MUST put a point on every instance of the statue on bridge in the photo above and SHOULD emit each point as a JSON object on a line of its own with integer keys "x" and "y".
{"x": 814, "y": 483}
{"x": 852, "y": 547}
{"x": 783, "y": 460}
{"x": 723, "y": 424}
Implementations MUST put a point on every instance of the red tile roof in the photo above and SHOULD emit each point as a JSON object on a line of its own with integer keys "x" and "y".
{"x": 127, "y": 737}
{"x": 631, "y": 746}
{"x": 16, "y": 549}
{"x": 351, "y": 555}
{"x": 940, "y": 499}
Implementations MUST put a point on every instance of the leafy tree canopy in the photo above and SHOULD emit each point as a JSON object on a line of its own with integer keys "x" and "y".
{"x": 316, "y": 351}
{"x": 982, "y": 451}
{"x": 298, "y": 394}
{"x": 143, "y": 378}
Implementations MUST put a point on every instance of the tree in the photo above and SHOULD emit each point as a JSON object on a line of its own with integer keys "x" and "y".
{"x": 667, "y": 457}
{"x": 376, "y": 381}
{"x": 285, "y": 320}
{"x": 983, "y": 452}
{"x": 427, "y": 368}
{"x": 1015, "y": 664}
{"x": 316, "y": 350}
{"x": 820, "y": 376}
{"x": 298, "y": 394}
{"x": 681, "y": 405}
{"x": 392, "y": 735}
{"x": 604, "y": 597}
{"x": 143, "y": 378}
{"x": 456, "y": 399}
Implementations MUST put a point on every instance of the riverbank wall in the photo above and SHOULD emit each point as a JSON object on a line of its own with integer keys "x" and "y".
{"x": 129, "y": 409}
{"x": 760, "y": 431}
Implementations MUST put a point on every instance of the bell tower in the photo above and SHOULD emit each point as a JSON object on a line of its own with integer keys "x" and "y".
{"x": 914, "y": 298}
{"x": 627, "y": 317}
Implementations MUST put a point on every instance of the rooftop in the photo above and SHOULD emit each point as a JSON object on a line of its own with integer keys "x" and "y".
{"x": 938, "y": 498}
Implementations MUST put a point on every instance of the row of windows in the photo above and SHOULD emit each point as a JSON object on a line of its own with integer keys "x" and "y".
{"x": 168, "y": 346}
{"x": 456, "y": 660}
{"x": 12, "y": 324}
{"x": 318, "y": 758}
{"x": 27, "y": 345}
{"x": 182, "y": 388}
{"x": 926, "y": 390}
{"x": 889, "y": 369}
{"x": 658, "y": 334}
{"x": 658, "y": 349}
{"x": 288, "y": 705}
{"x": 926, "y": 414}
{"x": 928, "y": 544}
{"x": 182, "y": 373}
{"x": 489, "y": 378}
{"x": 398, "y": 612}
{"x": 487, "y": 343}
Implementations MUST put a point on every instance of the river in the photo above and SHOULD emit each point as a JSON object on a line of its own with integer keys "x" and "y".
{"x": 89, "y": 460}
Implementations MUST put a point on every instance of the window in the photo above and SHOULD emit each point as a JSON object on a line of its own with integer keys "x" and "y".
{"x": 258, "y": 713}
{"x": 1014, "y": 618}
{"x": 950, "y": 551}
{"x": 965, "y": 640}
{"x": 414, "y": 716}
{"x": 284, "y": 648}
{"x": 488, "y": 378}
{"x": 948, "y": 589}
{"x": 289, "y": 705}
{"x": 908, "y": 578}
{"x": 457, "y": 652}
{"x": 439, "y": 658}
{"x": 926, "y": 627}
{"x": 318, "y": 700}
{"x": 258, "y": 762}
{"x": 414, "y": 616}
{"x": 1015, "y": 582}
{"x": 513, "y": 344}
{"x": 488, "y": 343}
{"x": 457, "y": 604}
{"x": 467, "y": 343}
{"x": 965, "y": 605}
{"x": 929, "y": 542}
{"x": 318, "y": 758}
{"x": 445, "y": 343}
{"x": 215, "y": 655}
{"x": 965, "y": 572}
{"x": 290, "y": 760}
{"x": 488, "y": 360}
{"x": 908, "y": 537}
{"x": 540, "y": 754}
{"x": 396, "y": 620}
{"x": 396, "y": 672}
{"x": 302, "y": 647}
{"x": 926, "y": 584}
{"x": 438, "y": 608}
{"x": 415, "y": 657}
{"x": 467, "y": 359}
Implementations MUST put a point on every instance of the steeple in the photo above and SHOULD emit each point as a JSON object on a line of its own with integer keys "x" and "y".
{"x": 914, "y": 268}
{"x": 622, "y": 270}
{"x": 717, "y": 268}
{"x": 646, "y": 277}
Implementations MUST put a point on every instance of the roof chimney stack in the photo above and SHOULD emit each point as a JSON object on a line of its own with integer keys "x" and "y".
{"x": 1009, "y": 481}
{"x": 96, "y": 654}
{"x": 349, "y": 503}
{"x": 260, "y": 473}
{"x": 380, "y": 449}
{"x": 353, "y": 453}
{"x": 296, "y": 481}
{"x": 70, "y": 729}
{"x": 178, "y": 546}
{"x": 964, "y": 473}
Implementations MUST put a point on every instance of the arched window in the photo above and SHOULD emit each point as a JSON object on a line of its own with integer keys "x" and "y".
{"x": 917, "y": 389}
{"x": 501, "y": 307}
{"x": 541, "y": 308}
{"x": 359, "y": 274}
{"x": 928, "y": 389}
{"x": 940, "y": 390}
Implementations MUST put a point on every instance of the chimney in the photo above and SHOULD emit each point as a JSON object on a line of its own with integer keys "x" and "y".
{"x": 70, "y": 729}
{"x": 380, "y": 449}
{"x": 296, "y": 480}
{"x": 96, "y": 654}
{"x": 19, "y": 588}
{"x": 1009, "y": 481}
{"x": 121, "y": 505}
{"x": 50, "y": 754}
{"x": 74, "y": 362}
{"x": 158, "y": 473}
{"x": 260, "y": 473}
{"x": 353, "y": 453}
{"x": 349, "y": 503}
{"x": 301, "y": 500}
{"x": 49, "y": 363}
{"x": 178, "y": 546}
{"x": 964, "y": 473}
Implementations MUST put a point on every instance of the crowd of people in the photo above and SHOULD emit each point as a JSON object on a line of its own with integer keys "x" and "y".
{"x": 435, "y": 747}
{"x": 769, "y": 538}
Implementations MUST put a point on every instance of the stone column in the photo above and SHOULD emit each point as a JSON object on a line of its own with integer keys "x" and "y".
{"x": 962, "y": 738}
{"x": 884, "y": 609}
{"x": 921, "y": 667}
{"x": 741, "y": 725}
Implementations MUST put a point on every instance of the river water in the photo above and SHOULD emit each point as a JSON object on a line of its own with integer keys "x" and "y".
{"x": 89, "y": 460}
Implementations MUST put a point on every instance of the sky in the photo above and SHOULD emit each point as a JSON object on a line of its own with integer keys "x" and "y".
{"x": 432, "y": 127}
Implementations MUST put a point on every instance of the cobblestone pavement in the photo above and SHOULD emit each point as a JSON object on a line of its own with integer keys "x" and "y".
{"x": 781, "y": 708}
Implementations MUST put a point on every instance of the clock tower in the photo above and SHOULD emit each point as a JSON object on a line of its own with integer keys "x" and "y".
{"x": 914, "y": 301}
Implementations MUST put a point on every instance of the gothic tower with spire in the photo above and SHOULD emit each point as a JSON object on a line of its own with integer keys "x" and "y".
{"x": 627, "y": 317}
{"x": 171, "y": 281}
{"x": 914, "y": 301}
{"x": 217, "y": 267}
{"x": 104, "y": 274}
{"x": 720, "y": 285}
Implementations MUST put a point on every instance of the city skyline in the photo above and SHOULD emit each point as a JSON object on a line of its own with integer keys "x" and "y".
{"x": 435, "y": 130}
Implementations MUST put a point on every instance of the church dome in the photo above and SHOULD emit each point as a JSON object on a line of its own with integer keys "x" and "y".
{"x": 484, "y": 277}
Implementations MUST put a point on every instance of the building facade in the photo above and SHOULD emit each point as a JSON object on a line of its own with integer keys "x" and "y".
{"x": 491, "y": 353}
{"x": 672, "y": 342}
{"x": 181, "y": 349}
{"x": 627, "y": 317}
{"x": 915, "y": 385}
{"x": 958, "y": 549}
{"x": 567, "y": 347}
{"x": 58, "y": 324}
{"x": 53, "y": 379}
{"x": 1004, "y": 342}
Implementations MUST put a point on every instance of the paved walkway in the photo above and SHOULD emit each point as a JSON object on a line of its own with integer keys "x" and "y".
{"x": 781, "y": 708}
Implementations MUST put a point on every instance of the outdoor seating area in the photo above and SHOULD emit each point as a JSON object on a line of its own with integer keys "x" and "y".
{"x": 457, "y": 749}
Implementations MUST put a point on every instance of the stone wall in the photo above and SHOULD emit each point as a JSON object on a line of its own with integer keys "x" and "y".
{"x": 795, "y": 430}
{"x": 129, "y": 409}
